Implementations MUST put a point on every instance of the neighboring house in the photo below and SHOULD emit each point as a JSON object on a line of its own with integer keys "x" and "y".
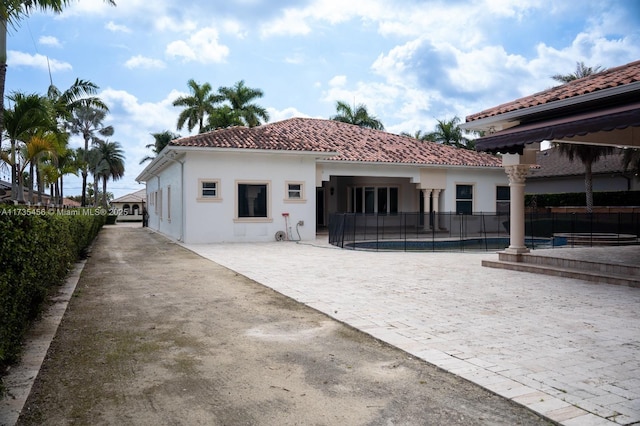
{"x": 130, "y": 207}
{"x": 66, "y": 202}
{"x": 555, "y": 173}
{"x": 248, "y": 184}
{"x": 5, "y": 194}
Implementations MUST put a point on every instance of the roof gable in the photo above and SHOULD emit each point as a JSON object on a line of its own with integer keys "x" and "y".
{"x": 133, "y": 197}
{"x": 351, "y": 143}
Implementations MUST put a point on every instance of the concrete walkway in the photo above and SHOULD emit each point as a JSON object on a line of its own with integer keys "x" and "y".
{"x": 566, "y": 348}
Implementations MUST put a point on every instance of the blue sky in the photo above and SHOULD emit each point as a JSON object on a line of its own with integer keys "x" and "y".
{"x": 410, "y": 62}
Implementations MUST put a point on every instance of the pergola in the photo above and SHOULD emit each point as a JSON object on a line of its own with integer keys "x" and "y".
{"x": 601, "y": 109}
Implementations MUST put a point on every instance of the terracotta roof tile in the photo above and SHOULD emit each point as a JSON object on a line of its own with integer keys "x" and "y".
{"x": 613, "y": 77}
{"x": 351, "y": 143}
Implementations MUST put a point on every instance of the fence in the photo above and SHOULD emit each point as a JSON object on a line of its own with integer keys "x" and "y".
{"x": 479, "y": 231}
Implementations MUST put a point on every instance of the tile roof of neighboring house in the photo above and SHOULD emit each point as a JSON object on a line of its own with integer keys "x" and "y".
{"x": 610, "y": 78}
{"x": 134, "y": 197}
{"x": 551, "y": 163}
{"x": 351, "y": 143}
{"x": 70, "y": 203}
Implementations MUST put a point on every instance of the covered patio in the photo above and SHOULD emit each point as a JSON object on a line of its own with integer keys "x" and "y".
{"x": 601, "y": 109}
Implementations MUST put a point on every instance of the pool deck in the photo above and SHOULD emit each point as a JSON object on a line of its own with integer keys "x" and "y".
{"x": 566, "y": 348}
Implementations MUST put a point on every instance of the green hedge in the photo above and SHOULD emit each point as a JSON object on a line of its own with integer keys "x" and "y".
{"x": 37, "y": 249}
{"x": 578, "y": 199}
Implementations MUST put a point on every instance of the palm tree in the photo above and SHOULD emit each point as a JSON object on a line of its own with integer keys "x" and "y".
{"x": 581, "y": 71}
{"x": 110, "y": 164}
{"x": 197, "y": 105}
{"x": 161, "y": 140}
{"x": 29, "y": 114}
{"x": 67, "y": 162}
{"x": 41, "y": 143}
{"x": 76, "y": 96}
{"x": 239, "y": 97}
{"x": 222, "y": 118}
{"x": 11, "y": 13}
{"x": 448, "y": 132}
{"x": 358, "y": 116}
{"x": 88, "y": 122}
{"x": 424, "y": 137}
{"x": 588, "y": 154}
{"x": 631, "y": 160}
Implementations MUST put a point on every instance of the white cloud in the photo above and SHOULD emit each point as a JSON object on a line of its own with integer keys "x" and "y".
{"x": 235, "y": 28}
{"x": 17, "y": 59}
{"x": 278, "y": 115}
{"x": 338, "y": 81}
{"x": 167, "y": 23}
{"x": 112, "y": 26}
{"x": 49, "y": 41}
{"x": 203, "y": 46}
{"x": 140, "y": 61}
{"x": 291, "y": 23}
{"x": 134, "y": 122}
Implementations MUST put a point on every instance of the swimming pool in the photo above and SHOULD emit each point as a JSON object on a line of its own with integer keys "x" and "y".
{"x": 470, "y": 244}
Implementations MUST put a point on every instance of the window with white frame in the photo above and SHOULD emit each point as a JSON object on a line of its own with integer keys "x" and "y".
{"x": 209, "y": 190}
{"x": 253, "y": 200}
{"x": 294, "y": 191}
{"x": 464, "y": 199}
{"x": 503, "y": 199}
{"x": 169, "y": 203}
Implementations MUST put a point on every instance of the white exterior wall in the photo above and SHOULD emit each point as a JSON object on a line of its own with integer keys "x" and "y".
{"x": 163, "y": 202}
{"x": 217, "y": 221}
{"x": 484, "y": 184}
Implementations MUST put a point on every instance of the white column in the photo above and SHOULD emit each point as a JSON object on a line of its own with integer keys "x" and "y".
{"x": 426, "y": 194}
{"x": 436, "y": 208}
{"x": 517, "y": 176}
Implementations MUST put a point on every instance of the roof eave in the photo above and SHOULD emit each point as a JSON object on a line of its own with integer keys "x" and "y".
{"x": 513, "y": 117}
{"x": 385, "y": 163}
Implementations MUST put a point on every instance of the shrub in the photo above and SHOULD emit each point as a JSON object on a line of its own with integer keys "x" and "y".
{"x": 37, "y": 249}
{"x": 578, "y": 199}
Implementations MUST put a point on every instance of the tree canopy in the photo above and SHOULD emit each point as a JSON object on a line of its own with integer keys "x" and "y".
{"x": 358, "y": 116}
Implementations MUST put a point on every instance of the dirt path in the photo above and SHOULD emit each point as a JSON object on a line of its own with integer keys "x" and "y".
{"x": 158, "y": 335}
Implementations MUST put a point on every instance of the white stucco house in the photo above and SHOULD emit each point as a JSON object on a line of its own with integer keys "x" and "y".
{"x": 130, "y": 207}
{"x": 284, "y": 179}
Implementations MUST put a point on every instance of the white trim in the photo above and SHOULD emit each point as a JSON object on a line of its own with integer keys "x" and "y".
{"x": 236, "y": 216}
{"x": 201, "y": 198}
{"x": 287, "y": 191}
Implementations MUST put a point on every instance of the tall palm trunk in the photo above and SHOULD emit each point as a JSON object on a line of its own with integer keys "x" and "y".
{"x": 20, "y": 194}
{"x": 95, "y": 191}
{"x": 104, "y": 191}
{"x": 3, "y": 71}
{"x": 40, "y": 182}
{"x": 588, "y": 185}
{"x": 85, "y": 171}
{"x": 59, "y": 190}
{"x": 31, "y": 172}
{"x": 14, "y": 170}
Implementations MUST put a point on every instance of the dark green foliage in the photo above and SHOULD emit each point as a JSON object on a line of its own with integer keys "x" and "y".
{"x": 577, "y": 199}
{"x": 37, "y": 249}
